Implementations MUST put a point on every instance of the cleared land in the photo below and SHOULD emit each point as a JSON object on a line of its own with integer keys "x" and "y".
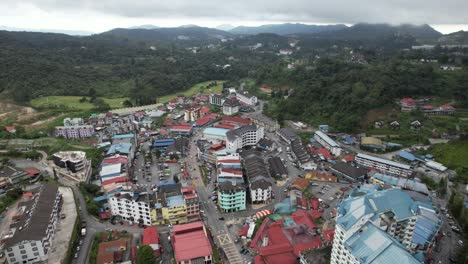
{"x": 196, "y": 89}
{"x": 72, "y": 102}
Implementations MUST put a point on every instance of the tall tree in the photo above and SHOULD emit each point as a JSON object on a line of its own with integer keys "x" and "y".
{"x": 145, "y": 255}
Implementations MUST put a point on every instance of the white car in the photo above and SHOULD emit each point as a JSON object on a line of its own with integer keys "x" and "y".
{"x": 460, "y": 242}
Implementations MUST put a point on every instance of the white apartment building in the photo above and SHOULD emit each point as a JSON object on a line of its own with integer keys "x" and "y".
{"x": 328, "y": 143}
{"x": 383, "y": 165}
{"x": 244, "y": 136}
{"x": 246, "y": 98}
{"x": 382, "y": 226}
{"x": 130, "y": 208}
{"x": 32, "y": 230}
{"x": 217, "y": 99}
{"x": 260, "y": 190}
{"x": 230, "y": 107}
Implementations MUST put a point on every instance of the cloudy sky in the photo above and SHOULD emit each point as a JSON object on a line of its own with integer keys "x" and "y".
{"x": 101, "y": 15}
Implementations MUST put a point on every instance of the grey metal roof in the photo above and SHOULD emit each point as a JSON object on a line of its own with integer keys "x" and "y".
{"x": 233, "y": 134}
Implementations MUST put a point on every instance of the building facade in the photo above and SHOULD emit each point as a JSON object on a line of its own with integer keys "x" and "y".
{"x": 231, "y": 197}
{"x": 192, "y": 203}
{"x": 33, "y": 229}
{"x": 328, "y": 143}
{"x": 383, "y": 165}
{"x": 230, "y": 107}
{"x": 246, "y": 98}
{"x": 133, "y": 208}
{"x": 83, "y": 131}
{"x": 244, "y": 136}
{"x": 217, "y": 99}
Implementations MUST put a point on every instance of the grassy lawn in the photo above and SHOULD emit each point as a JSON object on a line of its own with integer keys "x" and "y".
{"x": 453, "y": 155}
{"x": 197, "y": 88}
{"x": 72, "y": 102}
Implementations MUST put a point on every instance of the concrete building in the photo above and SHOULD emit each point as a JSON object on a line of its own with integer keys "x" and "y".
{"x": 82, "y": 131}
{"x": 181, "y": 130}
{"x": 11, "y": 175}
{"x": 133, "y": 207}
{"x": 231, "y": 196}
{"x": 230, "y": 107}
{"x": 175, "y": 210}
{"x": 33, "y": 228}
{"x": 217, "y": 99}
{"x": 269, "y": 124}
{"x": 192, "y": 203}
{"x": 348, "y": 172}
{"x": 383, "y": 165}
{"x": 383, "y": 227}
{"x": 73, "y": 161}
{"x": 328, "y": 143}
{"x": 244, "y": 136}
{"x": 287, "y": 135}
{"x": 191, "y": 244}
{"x": 257, "y": 174}
{"x": 246, "y": 98}
{"x": 192, "y": 114}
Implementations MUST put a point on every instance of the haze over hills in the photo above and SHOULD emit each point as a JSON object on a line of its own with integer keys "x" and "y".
{"x": 285, "y": 29}
{"x": 455, "y": 38}
{"x": 225, "y": 27}
{"x": 147, "y": 26}
{"x": 59, "y": 31}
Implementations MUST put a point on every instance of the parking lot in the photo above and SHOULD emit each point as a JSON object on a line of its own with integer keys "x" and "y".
{"x": 330, "y": 193}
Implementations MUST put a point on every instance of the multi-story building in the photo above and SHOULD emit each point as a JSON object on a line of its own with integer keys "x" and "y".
{"x": 407, "y": 104}
{"x": 73, "y": 161}
{"x": 217, "y": 99}
{"x": 174, "y": 211}
{"x": 192, "y": 203}
{"x": 328, "y": 143}
{"x": 83, "y": 131}
{"x": 11, "y": 175}
{"x": 231, "y": 196}
{"x": 215, "y": 134}
{"x": 383, "y": 165}
{"x": 33, "y": 228}
{"x": 244, "y": 136}
{"x": 287, "y": 135}
{"x": 192, "y": 114}
{"x": 230, "y": 107}
{"x": 257, "y": 174}
{"x": 269, "y": 124}
{"x": 133, "y": 207}
{"x": 383, "y": 226}
{"x": 181, "y": 130}
{"x": 73, "y": 122}
{"x": 246, "y": 98}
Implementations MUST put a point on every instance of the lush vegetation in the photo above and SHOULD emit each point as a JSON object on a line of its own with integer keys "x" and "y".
{"x": 145, "y": 255}
{"x": 341, "y": 93}
{"x": 90, "y": 191}
{"x": 10, "y": 197}
{"x": 453, "y": 155}
{"x": 73, "y": 102}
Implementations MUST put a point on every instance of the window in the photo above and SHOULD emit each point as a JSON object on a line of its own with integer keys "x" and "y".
{"x": 21, "y": 246}
{"x": 11, "y": 254}
{"x": 34, "y": 248}
{"x": 23, "y": 251}
{"x": 33, "y": 244}
{"x": 36, "y": 253}
{"x": 24, "y": 257}
{"x": 9, "y": 249}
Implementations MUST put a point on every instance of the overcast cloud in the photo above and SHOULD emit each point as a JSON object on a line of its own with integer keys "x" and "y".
{"x": 100, "y": 15}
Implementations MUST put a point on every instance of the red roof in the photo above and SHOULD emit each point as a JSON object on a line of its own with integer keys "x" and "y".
{"x": 187, "y": 189}
{"x": 204, "y": 120}
{"x": 10, "y": 129}
{"x": 226, "y": 126}
{"x": 205, "y": 110}
{"x": 105, "y": 215}
{"x": 190, "y": 242}
{"x": 115, "y": 159}
{"x": 233, "y": 171}
{"x": 32, "y": 172}
{"x": 300, "y": 184}
{"x": 314, "y": 203}
{"x": 115, "y": 180}
{"x": 315, "y": 214}
{"x": 27, "y": 194}
{"x": 328, "y": 234}
{"x": 427, "y": 107}
{"x": 188, "y": 128}
{"x": 150, "y": 235}
{"x": 447, "y": 107}
{"x": 348, "y": 158}
{"x": 326, "y": 154}
{"x": 236, "y": 119}
{"x": 228, "y": 161}
{"x": 243, "y": 231}
{"x": 408, "y": 101}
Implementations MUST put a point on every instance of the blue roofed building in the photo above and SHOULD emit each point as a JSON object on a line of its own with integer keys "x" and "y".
{"x": 383, "y": 227}
{"x": 124, "y": 148}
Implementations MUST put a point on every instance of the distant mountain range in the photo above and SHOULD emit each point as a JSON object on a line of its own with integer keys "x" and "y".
{"x": 368, "y": 31}
{"x": 185, "y": 33}
{"x": 286, "y": 29}
{"x": 455, "y": 38}
{"x": 60, "y": 31}
{"x": 147, "y": 26}
{"x": 225, "y": 27}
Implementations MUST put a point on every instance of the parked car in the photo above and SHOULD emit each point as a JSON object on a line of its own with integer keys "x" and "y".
{"x": 221, "y": 218}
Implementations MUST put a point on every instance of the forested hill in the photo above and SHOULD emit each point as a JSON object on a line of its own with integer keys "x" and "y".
{"x": 341, "y": 93}
{"x": 373, "y": 31}
{"x": 40, "y": 64}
